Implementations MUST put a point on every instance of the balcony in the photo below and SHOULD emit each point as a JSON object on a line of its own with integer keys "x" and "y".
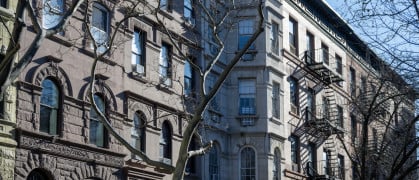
{"x": 323, "y": 170}
{"x": 320, "y": 123}
{"x": 322, "y": 66}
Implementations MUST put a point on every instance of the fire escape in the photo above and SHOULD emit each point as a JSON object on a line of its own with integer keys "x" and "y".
{"x": 325, "y": 119}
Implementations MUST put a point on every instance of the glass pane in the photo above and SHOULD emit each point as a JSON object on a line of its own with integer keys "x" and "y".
{"x": 49, "y": 94}
{"x": 99, "y": 17}
{"x": 93, "y": 131}
{"x": 53, "y": 122}
{"x": 45, "y": 113}
{"x": 51, "y": 13}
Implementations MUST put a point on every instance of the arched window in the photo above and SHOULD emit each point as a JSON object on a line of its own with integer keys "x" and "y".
{"x": 277, "y": 165}
{"x": 49, "y": 107}
{"x": 166, "y": 143}
{"x": 213, "y": 163}
{"x": 37, "y": 174}
{"x": 97, "y": 131}
{"x": 52, "y": 13}
{"x": 100, "y": 26}
{"x": 138, "y": 132}
{"x": 248, "y": 164}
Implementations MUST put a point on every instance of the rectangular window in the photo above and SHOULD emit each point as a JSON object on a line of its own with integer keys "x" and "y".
{"x": 326, "y": 162}
{"x": 247, "y": 96}
{"x": 275, "y": 38}
{"x": 363, "y": 85}
{"x": 276, "y": 100}
{"x": 188, "y": 78}
{"x": 245, "y": 33}
{"x": 375, "y": 139}
{"x": 340, "y": 116}
{"x": 188, "y": 12}
{"x": 137, "y": 52}
{"x": 325, "y": 108}
{"x": 100, "y": 26}
{"x": 310, "y": 53}
{"x": 165, "y": 5}
{"x": 293, "y": 36}
{"x": 295, "y": 153}
{"x": 51, "y": 12}
{"x": 354, "y": 128}
{"x": 214, "y": 104}
{"x": 325, "y": 54}
{"x": 165, "y": 62}
{"x": 3, "y": 3}
{"x": 312, "y": 159}
{"x": 294, "y": 95}
{"x": 352, "y": 83}
{"x": 311, "y": 105}
{"x": 341, "y": 167}
{"x": 339, "y": 68}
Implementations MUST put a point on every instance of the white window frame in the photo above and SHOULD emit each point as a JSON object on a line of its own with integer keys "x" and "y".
{"x": 276, "y": 100}
{"x": 100, "y": 36}
{"x": 275, "y": 38}
{"x": 247, "y": 90}
{"x": 164, "y": 65}
{"x": 137, "y": 52}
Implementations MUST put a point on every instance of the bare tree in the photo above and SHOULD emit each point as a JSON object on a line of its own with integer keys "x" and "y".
{"x": 382, "y": 142}
{"x": 384, "y": 108}
{"x": 391, "y": 29}
{"x": 219, "y": 20}
{"x": 220, "y": 23}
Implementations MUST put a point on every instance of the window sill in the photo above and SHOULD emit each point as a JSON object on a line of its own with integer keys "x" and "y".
{"x": 166, "y": 13}
{"x": 251, "y": 52}
{"x": 104, "y": 58}
{"x": 274, "y": 56}
{"x": 138, "y": 77}
{"x": 165, "y": 88}
{"x": 247, "y": 120}
{"x": 296, "y": 115}
{"x": 276, "y": 120}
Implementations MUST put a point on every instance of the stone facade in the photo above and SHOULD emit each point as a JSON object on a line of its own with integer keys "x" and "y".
{"x": 258, "y": 132}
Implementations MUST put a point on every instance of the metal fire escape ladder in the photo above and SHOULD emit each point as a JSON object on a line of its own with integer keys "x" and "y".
{"x": 326, "y": 121}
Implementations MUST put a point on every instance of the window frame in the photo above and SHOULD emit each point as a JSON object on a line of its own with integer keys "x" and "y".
{"x": 166, "y": 5}
{"x": 248, "y": 154}
{"x": 293, "y": 35}
{"x": 246, "y": 28}
{"x": 4, "y": 3}
{"x": 294, "y": 95}
{"x": 325, "y": 54}
{"x": 138, "y": 51}
{"x": 104, "y": 137}
{"x": 275, "y": 38}
{"x": 140, "y": 132}
{"x": 53, "y": 13}
{"x": 295, "y": 152}
{"x": 188, "y": 7}
{"x": 312, "y": 156}
{"x": 165, "y": 63}
{"x": 214, "y": 165}
{"x": 340, "y": 117}
{"x": 310, "y": 48}
{"x": 276, "y": 100}
{"x": 339, "y": 65}
{"x": 352, "y": 83}
{"x": 250, "y": 93}
{"x": 51, "y": 107}
{"x": 188, "y": 78}
{"x": 166, "y": 143}
{"x": 96, "y": 30}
